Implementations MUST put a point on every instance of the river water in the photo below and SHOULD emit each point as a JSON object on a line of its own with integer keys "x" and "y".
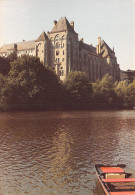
{"x": 54, "y": 153}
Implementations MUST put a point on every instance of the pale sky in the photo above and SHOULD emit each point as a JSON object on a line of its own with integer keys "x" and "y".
{"x": 113, "y": 20}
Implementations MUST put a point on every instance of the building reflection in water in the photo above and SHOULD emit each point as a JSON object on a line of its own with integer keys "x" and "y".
{"x": 58, "y": 176}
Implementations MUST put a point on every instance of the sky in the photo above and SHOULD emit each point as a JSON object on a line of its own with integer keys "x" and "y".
{"x": 112, "y": 20}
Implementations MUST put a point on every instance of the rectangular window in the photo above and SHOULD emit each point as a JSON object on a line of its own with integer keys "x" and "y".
{"x": 57, "y": 53}
{"x": 63, "y": 52}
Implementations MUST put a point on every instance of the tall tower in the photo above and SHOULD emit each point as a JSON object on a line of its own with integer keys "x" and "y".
{"x": 42, "y": 48}
{"x": 62, "y": 38}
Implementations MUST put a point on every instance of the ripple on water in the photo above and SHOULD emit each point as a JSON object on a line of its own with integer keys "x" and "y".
{"x": 55, "y": 152}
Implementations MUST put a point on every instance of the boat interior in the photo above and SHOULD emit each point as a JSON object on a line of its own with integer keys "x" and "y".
{"x": 117, "y": 178}
{"x": 121, "y": 186}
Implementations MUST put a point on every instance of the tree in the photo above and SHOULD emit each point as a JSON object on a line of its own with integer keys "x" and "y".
{"x": 130, "y": 95}
{"x": 120, "y": 90}
{"x": 11, "y": 57}
{"x": 29, "y": 82}
{"x": 78, "y": 86}
{"x": 104, "y": 90}
{"x": 4, "y": 66}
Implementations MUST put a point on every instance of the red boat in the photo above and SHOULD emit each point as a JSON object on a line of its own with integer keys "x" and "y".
{"x": 115, "y": 180}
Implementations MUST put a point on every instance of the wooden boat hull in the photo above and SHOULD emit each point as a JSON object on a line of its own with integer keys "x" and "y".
{"x": 114, "y": 180}
{"x": 105, "y": 190}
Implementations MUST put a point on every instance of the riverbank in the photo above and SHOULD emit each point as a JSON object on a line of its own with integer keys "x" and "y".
{"x": 64, "y": 107}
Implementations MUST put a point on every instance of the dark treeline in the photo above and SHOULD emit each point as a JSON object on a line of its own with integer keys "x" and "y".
{"x": 25, "y": 84}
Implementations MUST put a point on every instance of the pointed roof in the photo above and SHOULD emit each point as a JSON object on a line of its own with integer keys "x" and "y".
{"x": 42, "y": 37}
{"x": 63, "y": 25}
{"x": 25, "y": 45}
{"x": 7, "y": 47}
{"x": 87, "y": 47}
{"x": 106, "y": 50}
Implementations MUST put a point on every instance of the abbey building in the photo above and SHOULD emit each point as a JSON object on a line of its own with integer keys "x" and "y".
{"x": 61, "y": 49}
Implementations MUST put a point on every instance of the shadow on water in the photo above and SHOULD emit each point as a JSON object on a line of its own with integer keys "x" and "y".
{"x": 98, "y": 190}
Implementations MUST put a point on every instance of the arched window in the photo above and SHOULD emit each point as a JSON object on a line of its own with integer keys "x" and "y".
{"x": 51, "y": 39}
{"x": 63, "y": 37}
{"x": 57, "y": 37}
{"x": 57, "y": 45}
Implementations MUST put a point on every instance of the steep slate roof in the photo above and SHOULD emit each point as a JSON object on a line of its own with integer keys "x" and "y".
{"x": 106, "y": 50}
{"x": 63, "y": 25}
{"x": 7, "y": 47}
{"x": 25, "y": 45}
{"x": 87, "y": 47}
{"x": 42, "y": 37}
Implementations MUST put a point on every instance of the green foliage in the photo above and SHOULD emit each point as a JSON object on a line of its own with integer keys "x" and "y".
{"x": 5, "y": 63}
{"x": 29, "y": 82}
{"x": 12, "y": 57}
{"x": 126, "y": 93}
{"x": 104, "y": 90}
{"x": 4, "y": 66}
{"x": 129, "y": 99}
{"x": 78, "y": 86}
{"x": 120, "y": 90}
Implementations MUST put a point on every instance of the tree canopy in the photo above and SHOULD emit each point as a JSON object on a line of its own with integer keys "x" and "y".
{"x": 4, "y": 66}
{"x": 29, "y": 82}
{"x": 104, "y": 90}
{"x": 79, "y": 87}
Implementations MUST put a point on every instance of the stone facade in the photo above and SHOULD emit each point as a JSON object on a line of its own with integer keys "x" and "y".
{"x": 128, "y": 75}
{"x": 61, "y": 49}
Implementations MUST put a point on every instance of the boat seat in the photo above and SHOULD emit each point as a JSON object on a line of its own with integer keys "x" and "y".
{"x": 112, "y": 170}
{"x": 123, "y": 193}
{"x": 119, "y": 180}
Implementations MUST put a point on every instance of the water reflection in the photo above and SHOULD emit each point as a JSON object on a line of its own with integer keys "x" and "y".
{"x": 55, "y": 152}
{"x": 59, "y": 157}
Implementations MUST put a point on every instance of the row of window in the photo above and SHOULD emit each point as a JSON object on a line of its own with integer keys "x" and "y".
{"x": 58, "y": 52}
{"x": 19, "y": 52}
{"x": 57, "y": 60}
{"x": 58, "y": 38}
{"x": 25, "y": 51}
{"x": 61, "y": 72}
{"x": 58, "y": 45}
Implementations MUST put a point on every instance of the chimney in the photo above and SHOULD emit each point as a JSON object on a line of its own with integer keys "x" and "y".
{"x": 99, "y": 40}
{"x": 55, "y": 22}
{"x": 81, "y": 39}
{"x": 72, "y": 24}
{"x": 99, "y": 45}
{"x": 97, "y": 49}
